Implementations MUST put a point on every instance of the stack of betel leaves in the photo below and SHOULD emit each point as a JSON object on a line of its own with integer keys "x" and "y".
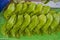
{"x": 29, "y": 18}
